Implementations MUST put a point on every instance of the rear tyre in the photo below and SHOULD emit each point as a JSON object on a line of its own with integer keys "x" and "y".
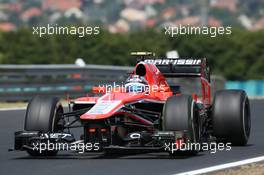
{"x": 180, "y": 114}
{"x": 43, "y": 114}
{"x": 231, "y": 117}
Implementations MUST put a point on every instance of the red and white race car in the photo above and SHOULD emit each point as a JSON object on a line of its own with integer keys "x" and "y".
{"x": 144, "y": 114}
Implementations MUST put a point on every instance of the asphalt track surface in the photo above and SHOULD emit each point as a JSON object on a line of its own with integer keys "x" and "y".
{"x": 151, "y": 163}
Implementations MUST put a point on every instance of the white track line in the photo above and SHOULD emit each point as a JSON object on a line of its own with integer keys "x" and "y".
{"x": 223, "y": 166}
{"x": 12, "y": 109}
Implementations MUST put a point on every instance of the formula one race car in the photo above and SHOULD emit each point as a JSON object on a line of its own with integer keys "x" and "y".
{"x": 144, "y": 114}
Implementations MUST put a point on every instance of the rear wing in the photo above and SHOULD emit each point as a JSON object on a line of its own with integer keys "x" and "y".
{"x": 177, "y": 67}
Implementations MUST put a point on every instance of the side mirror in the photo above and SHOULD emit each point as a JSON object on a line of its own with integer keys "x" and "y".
{"x": 195, "y": 97}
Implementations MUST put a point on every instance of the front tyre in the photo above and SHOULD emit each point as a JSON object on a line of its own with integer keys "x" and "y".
{"x": 44, "y": 114}
{"x": 180, "y": 114}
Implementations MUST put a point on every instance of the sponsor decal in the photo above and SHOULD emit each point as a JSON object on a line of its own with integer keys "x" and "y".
{"x": 173, "y": 61}
{"x": 104, "y": 107}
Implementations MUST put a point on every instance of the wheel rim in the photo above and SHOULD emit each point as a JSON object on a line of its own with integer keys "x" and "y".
{"x": 246, "y": 118}
{"x": 56, "y": 119}
{"x": 195, "y": 124}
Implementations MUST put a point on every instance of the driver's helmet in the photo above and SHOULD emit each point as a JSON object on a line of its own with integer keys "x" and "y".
{"x": 136, "y": 83}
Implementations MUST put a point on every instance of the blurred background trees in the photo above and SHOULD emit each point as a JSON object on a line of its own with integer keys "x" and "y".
{"x": 238, "y": 56}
